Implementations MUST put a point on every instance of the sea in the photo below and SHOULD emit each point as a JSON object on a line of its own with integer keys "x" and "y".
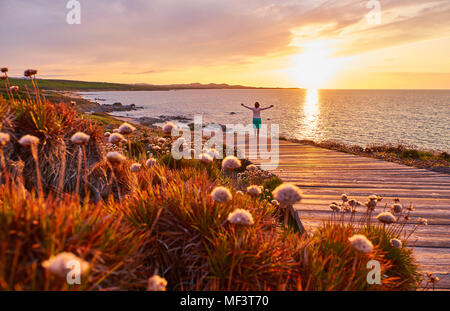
{"x": 417, "y": 118}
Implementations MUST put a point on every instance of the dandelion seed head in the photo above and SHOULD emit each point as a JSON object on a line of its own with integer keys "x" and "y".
{"x": 60, "y": 264}
{"x": 240, "y": 217}
{"x": 361, "y": 243}
{"x": 156, "y": 284}
{"x": 221, "y": 194}
{"x": 28, "y": 141}
{"x": 287, "y": 194}
{"x": 231, "y": 163}
{"x": 79, "y": 138}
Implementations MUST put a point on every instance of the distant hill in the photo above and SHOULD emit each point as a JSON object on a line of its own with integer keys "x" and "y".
{"x": 70, "y": 85}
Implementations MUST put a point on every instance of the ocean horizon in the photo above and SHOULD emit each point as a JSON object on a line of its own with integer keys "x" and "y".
{"x": 417, "y": 118}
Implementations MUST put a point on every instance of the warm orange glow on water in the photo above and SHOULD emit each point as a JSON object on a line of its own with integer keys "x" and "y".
{"x": 311, "y": 111}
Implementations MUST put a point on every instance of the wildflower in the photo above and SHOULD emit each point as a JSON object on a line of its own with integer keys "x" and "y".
{"x": 168, "y": 127}
{"x": 410, "y": 208}
{"x": 239, "y": 192}
{"x": 251, "y": 167}
{"x": 254, "y": 190}
{"x": 287, "y": 194}
{"x": 116, "y": 138}
{"x": 386, "y": 218}
{"x": 205, "y": 158}
{"x": 126, "y": 129}
{"x": 61, "y": 265}
{"x": 14, "y": 88}
{"x": 372, "y": 203}
{"x": 28, "y": 141}
{"x": 150, "y": 162}
{"x": 107, "y": 134}
{"x": 396, "y": 208}
{"x": 275, "y": 203}
{"x": 115, "y": 130}
{"x": 156, "y": 148}
{"x": 221, "y": 194}
{"x": 135, "y": 167}
{"x": 156, "y": 284}
{"x": 213, "y": 153}
{"x": 79, "y": 138}
{"x": 161, "y": 140}
{"x": 4, "y": 139}
{"x": 396, "y": 243}
{"x": 115, "y": 157}
{"x": 431, "y": 278}
{"x": 423, "y": 221}
{"x": 30, "y": 72}
{"x": 4, "y": 69}
{"x": 335, "y": 207}
{"x": 73, "y": 103}
{"x": 361, "y": 243}
{"x": 352, "y": 203}
{"x": 240, "y": 217}
{"x": 344, "y": 198}
{"x": 231, "y": 163}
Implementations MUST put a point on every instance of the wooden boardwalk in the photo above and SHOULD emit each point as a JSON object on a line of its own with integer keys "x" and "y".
{"x": 323, "y": 175}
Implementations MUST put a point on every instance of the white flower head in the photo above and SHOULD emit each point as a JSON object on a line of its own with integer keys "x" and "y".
{"x": 115, "y": 157}
{"x": 107, "y": 134}
{"x": 275, "y": 203}
{"x": 231, "y": 163}
{"x": 161, "y": 140}
{"x": 4, "y": 139}
{"x": 168, "y": 126}
{"x": 361, "y": 243}
{"x": 386, "y": 218}
{"x": 254, "y": 190}
{"x": 150, "y": 162}
{"x": 344, "y": 198}
{"x": 240, "y": 217}
{"x": 205, "y": 158}
{"x": 221, "y": 194}
{"x": 116, "y": 138}
{"x": 397, "y": 208}
{"x": 62, "y": 264}
{"x": 80, "y": 138}
{"x": 126, "y": 129}
{"x": 28, "y": 141}
{"x": 251, "y": 168}
{"x": 396, "y": 243}
{"x": 239, "y": 192}
{"x": 156, "y": 284}
{"x": 287, "y": 194}
{"x": 135, "y": 167}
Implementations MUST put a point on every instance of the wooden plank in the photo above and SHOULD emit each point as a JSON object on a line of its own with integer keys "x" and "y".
{"x": 323, "y": 175}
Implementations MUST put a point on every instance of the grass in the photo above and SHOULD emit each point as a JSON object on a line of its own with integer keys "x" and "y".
{"x": 160, "y": 220}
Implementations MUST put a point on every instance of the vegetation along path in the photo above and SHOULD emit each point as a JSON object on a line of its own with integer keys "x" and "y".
{"x": 324, "y": 175}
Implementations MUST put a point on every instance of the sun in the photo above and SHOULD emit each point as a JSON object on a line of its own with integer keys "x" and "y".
{"x": 314, "y": 66}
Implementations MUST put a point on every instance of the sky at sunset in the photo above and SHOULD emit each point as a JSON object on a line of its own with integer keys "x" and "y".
{"x": 300, "y": 43}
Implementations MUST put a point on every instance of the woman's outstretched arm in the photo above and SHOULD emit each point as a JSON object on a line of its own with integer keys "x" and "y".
{"x": 246, "y": 106}
{"x": 267, "y": 107}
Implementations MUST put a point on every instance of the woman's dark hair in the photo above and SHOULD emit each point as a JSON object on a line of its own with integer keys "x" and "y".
{"x": 257, "y": 105}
